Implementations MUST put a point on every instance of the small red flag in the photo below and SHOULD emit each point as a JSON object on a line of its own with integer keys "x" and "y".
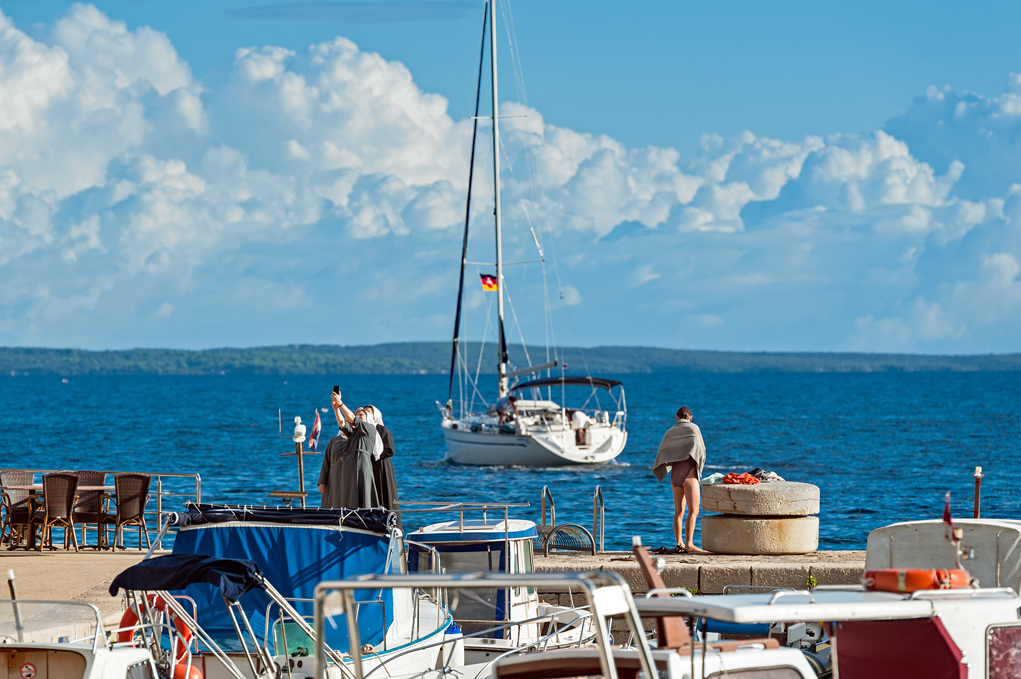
{"x": 489, "y": 282}
{"x": 313, "y": 439}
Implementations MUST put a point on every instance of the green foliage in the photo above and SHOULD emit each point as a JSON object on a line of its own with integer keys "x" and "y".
{"x": 434, "y": 357}
{"x": 810, "y": 582}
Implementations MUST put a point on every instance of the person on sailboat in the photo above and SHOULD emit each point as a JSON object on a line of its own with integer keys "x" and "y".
{"x": 354, "y": 485}
{"x": 682, "y": 454}
{"x": 579, "y": 422}
{"x": 382, "y": 464}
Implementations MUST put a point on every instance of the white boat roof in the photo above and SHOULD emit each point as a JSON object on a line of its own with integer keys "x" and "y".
{"x": 522, "y": 404}
{"x": 798, "y": 606}
{"x": 475, "y": 530}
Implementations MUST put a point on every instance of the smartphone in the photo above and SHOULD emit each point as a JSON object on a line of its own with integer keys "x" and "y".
{"x": 336, "y": 388}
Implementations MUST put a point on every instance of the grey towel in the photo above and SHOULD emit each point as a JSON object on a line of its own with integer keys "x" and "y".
{"x": 681, "y": 441}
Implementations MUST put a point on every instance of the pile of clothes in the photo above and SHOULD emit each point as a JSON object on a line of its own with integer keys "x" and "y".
{"x": 748, "y": 478}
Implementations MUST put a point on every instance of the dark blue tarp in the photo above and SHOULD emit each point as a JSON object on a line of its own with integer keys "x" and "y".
{"x": 293, "y": 559}
{"x": 232, "y": 577}
{"x": 375, "y": 520}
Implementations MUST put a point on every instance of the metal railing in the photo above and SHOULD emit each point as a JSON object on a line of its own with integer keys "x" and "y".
{"x": 607, "y": 592}
{"x": 598, "y": 516}
{"x": 158, "y": 494}
{"x": 552, "y": 507}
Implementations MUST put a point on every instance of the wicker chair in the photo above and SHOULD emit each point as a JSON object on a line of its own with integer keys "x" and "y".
{"x": 59, "y": 492}
{"x": 17, "y": 505}
{"x": 89, "y": 508}
{"x": 132, "y": 494}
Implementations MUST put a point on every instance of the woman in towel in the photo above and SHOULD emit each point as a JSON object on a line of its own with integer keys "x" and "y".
{"x": 682, "y": 455}
{"x": 382, "y": 465}
{"x": 354, "y": 486}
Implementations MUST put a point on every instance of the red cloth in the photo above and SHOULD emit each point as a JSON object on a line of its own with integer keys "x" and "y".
{"x": 743, "y": 479}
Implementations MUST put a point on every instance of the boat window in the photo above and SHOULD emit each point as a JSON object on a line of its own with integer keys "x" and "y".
{"x": 299, "y": 644}
{"x": 140, "y": 670}
{"x": 474, "y": 609}
{"x": 529, "y": 567}
{"x": 759, "y": 673}
{"x": 1002, "y": 656}
{"x": 44, "y": 664}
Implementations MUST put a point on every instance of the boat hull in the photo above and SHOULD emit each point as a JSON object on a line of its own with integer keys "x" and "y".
{"x": 553, "y": 449}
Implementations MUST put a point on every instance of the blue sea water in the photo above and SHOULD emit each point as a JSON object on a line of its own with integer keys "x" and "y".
{"x": 882, "y": 447}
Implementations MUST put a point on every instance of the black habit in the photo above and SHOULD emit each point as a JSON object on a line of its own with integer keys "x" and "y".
{"x": 347, "y": 468}
{"x": 383, "y": 472}
{"x": 330, "y": 474}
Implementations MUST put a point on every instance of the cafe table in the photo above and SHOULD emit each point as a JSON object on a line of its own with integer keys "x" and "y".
{"x": 35, "y": 494}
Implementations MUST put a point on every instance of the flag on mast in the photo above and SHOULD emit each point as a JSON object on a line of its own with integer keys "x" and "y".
{"x": 489, "y": 282}
{"x": 313, "y": 440}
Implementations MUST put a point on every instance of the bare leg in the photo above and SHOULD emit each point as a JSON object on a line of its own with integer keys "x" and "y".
{"x": 693, "y": 494}
{"x": 678, "y": 511}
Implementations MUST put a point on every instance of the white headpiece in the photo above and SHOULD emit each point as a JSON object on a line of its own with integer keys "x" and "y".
{"x": 374, "y": 417}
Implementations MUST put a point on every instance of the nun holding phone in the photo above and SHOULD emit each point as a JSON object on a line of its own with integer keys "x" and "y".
{"x": 351, "y": 483}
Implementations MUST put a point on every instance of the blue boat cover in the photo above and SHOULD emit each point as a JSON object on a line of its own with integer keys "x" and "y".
{"x": 375, "y": 520}
{"x": 293, "y": 558}
{"x": 232, "y": 577}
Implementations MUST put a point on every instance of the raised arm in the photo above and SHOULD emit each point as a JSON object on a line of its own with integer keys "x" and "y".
{"x": 339, "y": 408}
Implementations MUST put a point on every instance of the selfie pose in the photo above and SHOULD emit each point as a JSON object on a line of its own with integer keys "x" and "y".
{"x": 347, "y": 480}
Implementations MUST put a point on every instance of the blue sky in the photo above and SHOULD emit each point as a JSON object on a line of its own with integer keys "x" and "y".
{"x": 730, "y": 175}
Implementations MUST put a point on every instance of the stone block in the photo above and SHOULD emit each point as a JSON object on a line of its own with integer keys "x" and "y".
{"x": 726, "y": 534}
{"x": 837, "y": 573}
{"x": 782, "y": 498}
{"x": 790, "y": 575}
{"x": 712, "y": 578}
{"x": 679, "y": 575}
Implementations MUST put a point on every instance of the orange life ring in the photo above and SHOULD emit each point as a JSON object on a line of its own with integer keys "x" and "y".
{"x": 915, "y": 579}
{"x": 130, "y": 619}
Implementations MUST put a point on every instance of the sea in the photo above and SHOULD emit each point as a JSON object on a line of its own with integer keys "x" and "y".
{"x": 882, "y": 447}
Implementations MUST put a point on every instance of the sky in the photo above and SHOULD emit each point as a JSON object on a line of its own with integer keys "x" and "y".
{"x": 726, "y": 175}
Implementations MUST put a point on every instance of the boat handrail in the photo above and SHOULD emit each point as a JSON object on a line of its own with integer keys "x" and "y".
{"x": 960, "y": 593}
{"x": 607, "y": 592}
{"x": 764, "y": 588}
{"x": 16, "y": 605}
{"x": 490, "y": 630}
{"x": 794, "y": 592}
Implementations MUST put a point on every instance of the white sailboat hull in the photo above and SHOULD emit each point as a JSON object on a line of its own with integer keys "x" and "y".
{"x": 531, "y": 449}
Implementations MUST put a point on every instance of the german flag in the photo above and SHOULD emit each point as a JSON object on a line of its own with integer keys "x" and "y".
{"x": 489, "y": 282}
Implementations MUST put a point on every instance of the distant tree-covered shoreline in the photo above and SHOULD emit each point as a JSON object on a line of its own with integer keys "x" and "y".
{"x": 434, "y": 358}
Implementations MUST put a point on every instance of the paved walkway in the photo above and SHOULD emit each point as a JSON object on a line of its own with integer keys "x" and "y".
{"x": 61, "y": 575}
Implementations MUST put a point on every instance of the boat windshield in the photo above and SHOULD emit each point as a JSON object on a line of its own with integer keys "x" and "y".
{"x": 78, "y": 622}
{"x": 475, "y": 609}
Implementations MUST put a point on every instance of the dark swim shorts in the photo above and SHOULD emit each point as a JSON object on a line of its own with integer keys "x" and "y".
{"x": 682, "y": 470}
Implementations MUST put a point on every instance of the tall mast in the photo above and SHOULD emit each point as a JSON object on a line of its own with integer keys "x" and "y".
{"x": 502, "y": 369}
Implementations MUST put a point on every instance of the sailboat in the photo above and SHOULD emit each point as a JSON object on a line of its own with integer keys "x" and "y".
{"x": 524, "y": 426}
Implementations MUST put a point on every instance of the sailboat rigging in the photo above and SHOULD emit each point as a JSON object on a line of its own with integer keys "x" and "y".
{"x": 516, "y": 430}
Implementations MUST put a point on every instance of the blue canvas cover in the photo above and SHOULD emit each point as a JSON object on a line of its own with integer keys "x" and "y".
{"x": 293, "y": 559}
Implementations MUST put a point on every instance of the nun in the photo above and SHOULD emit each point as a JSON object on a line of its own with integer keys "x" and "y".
{"x": 330, "y": 481}
{"x": 357, "y": 487}
{"x": 382, "y": 465}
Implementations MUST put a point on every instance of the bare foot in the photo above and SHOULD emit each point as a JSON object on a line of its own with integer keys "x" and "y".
{"x": 692, "y": 549}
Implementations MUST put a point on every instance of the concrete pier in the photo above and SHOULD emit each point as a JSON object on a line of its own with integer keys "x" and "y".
{"x": 710, "y": 573}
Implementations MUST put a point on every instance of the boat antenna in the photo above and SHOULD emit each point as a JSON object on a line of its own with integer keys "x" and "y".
{"x": 502, "y": 368}
{"x": 467, "y": 212}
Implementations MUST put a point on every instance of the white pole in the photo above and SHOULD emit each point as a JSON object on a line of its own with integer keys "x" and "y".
{"x": 502, "y": 370}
